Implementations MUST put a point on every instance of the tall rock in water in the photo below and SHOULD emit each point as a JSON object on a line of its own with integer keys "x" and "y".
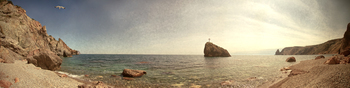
{"x": 212, "y": 50}
{"x": 20, "y": 35}
{"x": 345, "y": 46}
{"x": 277, "y": 52}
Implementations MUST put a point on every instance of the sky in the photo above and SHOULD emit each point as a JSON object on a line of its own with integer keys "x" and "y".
{"x": 183, "y": 26}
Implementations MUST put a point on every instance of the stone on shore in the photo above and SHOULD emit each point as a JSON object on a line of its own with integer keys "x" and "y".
{"x": 212, "y": 50}
{"x": 290, "y": 59}
{"x": 296, "y": 72}
{"x": 16, "y": 80}
{"x": 5, "y": 84}
{"x": 46, "y": 60}
{"x": 346, "y": 60}
{"x": 319, "y": 57}
{"x": 333, "y": 60}
{"x": 133, "y": 73}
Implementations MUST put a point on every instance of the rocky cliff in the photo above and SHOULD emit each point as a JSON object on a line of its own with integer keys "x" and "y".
{"x": 335, "y": 46}
{"x": 21, "y": 35}
{"x": 212, "y": 50}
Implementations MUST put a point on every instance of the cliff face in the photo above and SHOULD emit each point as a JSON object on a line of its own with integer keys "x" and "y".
{"x": 212, "y": 50}
{"x": 329, "y": 47}
{"x": 345, "y": 46}
{"x": 20, "y": 35}
{"x": 335, "y": 46}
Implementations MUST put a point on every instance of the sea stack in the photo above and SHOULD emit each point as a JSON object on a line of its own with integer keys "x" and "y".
{"x": 277, "y": 52}
{"x": 212, "y": 50}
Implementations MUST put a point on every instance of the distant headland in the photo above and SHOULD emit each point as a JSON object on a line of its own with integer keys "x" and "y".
{"x": 335, "y": 46}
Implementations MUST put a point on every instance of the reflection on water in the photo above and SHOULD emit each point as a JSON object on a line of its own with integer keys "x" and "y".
{"x": 180, "y": 70}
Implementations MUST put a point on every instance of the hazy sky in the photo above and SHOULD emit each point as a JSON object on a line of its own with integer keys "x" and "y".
{"x": 184, "y": 26}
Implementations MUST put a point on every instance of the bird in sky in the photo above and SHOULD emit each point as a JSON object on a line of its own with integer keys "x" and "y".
{"x": 60, "y": 7}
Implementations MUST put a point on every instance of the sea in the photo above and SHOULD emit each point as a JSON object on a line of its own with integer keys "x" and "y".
{"x": 164, "y": 71}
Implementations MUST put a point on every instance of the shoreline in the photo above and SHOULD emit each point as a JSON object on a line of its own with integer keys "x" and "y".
{"x": 32, "y": 76}
{"x": 314, "y": 73}
{"x": 28, "y": 75}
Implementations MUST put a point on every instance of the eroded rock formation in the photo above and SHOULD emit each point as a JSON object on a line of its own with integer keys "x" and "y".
{"x": 21, "y": 35}
{"x": 277, "y": 52}
{"x": 212, "y": 50}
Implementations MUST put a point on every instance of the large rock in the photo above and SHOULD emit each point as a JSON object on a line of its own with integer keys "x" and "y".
{"x": 290, "y": 59}
{"x": 46, "y": 59}
{"x": 212, "y": 50}
{"x": 277, "y": 52}
{"x": 319, "y": 57}
{"x": 333, "y": 60}
{"x": 133, "y": 73}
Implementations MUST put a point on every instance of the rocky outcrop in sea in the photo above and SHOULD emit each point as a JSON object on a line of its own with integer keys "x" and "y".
{"x": 212, "y": 50}
{"x": 335, "y": 46}
{"x": 21, "y": 37}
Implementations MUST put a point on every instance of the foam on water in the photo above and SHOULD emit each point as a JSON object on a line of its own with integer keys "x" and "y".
{"x": 70, "y": 75}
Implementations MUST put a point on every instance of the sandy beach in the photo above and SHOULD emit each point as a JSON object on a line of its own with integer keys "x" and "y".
{"x": 315, "y": 74}
{"x": 30, "y": 76}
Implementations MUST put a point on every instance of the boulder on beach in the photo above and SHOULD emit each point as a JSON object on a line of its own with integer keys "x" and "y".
{"x": 332, "y": 60}
{"x": 290, "y": 59}
{"x": 212, "y": 50}
{"x": 346, "y": 60}
{"x": 338, "y": 59}
{"x": 133, "y": 73}
{"x": 16, "y": 80}
{"x": 46, "y": 60}
{"x": 319, "y": 57}
{"x": 5, "y": 84}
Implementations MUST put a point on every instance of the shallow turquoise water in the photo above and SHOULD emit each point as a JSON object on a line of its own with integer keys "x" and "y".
{"x": 179, "y": 70}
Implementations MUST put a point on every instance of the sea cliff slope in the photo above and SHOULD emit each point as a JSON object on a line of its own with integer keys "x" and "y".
{"x": 22, "y": 37}
{"x": 335, "y": 46}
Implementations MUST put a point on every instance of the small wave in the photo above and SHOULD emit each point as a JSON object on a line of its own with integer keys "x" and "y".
{"x": 70, "y": 75}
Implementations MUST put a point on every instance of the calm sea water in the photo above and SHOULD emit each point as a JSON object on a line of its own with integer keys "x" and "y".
{"x": 179, "y": 70}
